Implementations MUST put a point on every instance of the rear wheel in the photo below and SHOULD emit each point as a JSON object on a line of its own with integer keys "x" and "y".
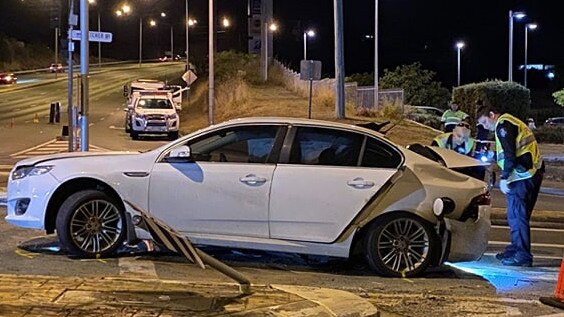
{"x": 400, "y": 245}
{"x": 90, "y": 223}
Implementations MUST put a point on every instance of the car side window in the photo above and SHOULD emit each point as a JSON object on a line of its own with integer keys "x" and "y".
{"x": 381, "y": 155}
{"x": 248, "y": 144}
{"x": 319, "y": 146}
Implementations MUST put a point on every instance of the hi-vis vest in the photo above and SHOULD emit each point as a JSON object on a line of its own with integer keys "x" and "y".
{"x": 453, "y": 117}
{"x": 443, "y": 142}
{"x": 525, "y": 143}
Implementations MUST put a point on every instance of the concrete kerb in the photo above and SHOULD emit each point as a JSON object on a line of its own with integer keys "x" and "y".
{"x": 111, "y": 296}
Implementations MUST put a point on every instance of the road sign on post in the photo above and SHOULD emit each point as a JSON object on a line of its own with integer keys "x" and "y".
{"x": 310, "y": 70}
{"x": 104, "y": 37}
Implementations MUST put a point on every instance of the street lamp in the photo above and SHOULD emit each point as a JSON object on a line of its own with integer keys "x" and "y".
{"x": 225, "y": 22}
{"x": 517, "y": 15}
{"x": 308, "y": 33}
{"x": 92, "y": 2}
{"x": 459, "y": 46}
{"x": 532, "y": 27}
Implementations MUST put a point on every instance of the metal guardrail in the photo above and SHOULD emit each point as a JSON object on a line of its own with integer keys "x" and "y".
{"x": 77, "y": 66}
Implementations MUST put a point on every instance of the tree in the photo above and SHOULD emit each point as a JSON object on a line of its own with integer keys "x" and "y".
{"x": 559, "y": 97}
{"x": 418, "y": 85}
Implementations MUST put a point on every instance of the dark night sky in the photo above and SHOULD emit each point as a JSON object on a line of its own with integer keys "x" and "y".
{"x": 409, "y": 30}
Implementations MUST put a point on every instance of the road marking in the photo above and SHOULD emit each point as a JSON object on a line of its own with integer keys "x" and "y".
{"x": 544, "y": 257}
{"x": 133, "y": 266}
{"x": 542, "y": 245}
{"x": 50, "y": 147}
{"x": 113, "y": 127}
{"x": 532, "y": 229}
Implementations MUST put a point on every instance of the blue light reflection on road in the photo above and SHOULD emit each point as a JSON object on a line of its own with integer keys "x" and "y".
{"x": 504, "y": 278}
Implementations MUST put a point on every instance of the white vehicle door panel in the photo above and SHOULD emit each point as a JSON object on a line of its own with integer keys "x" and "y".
{"x": 212, "y": 197}
{"x": 316, "y": 203}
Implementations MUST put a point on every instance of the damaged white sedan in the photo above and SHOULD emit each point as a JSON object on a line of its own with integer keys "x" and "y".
{"x": 279, "y": 184}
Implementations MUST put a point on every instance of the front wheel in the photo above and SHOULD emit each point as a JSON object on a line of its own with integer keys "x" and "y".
{"x": 400, "y": 245}
{"x": 90, "y": 224}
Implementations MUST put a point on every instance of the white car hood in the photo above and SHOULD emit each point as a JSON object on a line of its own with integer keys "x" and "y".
{"x": 67, "y": 155}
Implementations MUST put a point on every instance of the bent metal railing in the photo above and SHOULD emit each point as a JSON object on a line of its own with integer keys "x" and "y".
{"x": 177, "y": 242}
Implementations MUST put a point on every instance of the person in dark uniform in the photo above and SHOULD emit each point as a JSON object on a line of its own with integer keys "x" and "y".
{"x": 520, "y": 161}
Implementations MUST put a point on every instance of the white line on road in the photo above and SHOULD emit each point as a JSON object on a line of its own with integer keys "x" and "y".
{"x": 542, "y": 245}
{"x": 33, "y": 148}
{"x": 532, "y": 229}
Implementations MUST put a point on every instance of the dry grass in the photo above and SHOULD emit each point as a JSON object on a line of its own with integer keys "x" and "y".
{"x": 236, "y": 100}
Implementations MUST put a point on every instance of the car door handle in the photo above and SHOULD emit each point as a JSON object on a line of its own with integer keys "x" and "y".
{"x": 360, "y": 183}
{"x": 252, "y": 179}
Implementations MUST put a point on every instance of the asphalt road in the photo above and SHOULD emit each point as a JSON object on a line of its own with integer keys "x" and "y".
{"x": 478, "y": 288}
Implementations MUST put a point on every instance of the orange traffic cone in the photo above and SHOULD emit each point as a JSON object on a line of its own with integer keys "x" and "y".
{"x": 558, "y": 299}
{"x": 36, "y": 119}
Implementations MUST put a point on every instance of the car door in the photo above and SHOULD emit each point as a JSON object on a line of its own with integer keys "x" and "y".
{"x": 330, "y": 175}
{"x": 224, "y": 188}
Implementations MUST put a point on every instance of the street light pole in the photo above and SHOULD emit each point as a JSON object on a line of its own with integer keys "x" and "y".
{"x": 376, "y": 90}
{"x": 308, "y": 33}
{"x": 530, "y": 26}
{"x": 459, "y": 46}
{"x": 187, "y": 22}
{"x": 140, "y": 40}
{"x": 99, "y": 43}
{"x": 171, "y": 42}
{"x": 211, "y": 78}
{"x": 84, "y": 65}
{"x": 518, "y": 15}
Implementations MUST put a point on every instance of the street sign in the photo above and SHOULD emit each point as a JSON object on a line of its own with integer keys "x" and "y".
{"x": 104, "y": 37}
{"x": 189, "y": 77}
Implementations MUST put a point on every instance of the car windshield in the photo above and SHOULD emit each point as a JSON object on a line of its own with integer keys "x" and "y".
{"x": 154, "y": 104}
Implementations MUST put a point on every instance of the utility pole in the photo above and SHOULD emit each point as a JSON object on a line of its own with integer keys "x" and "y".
{"x": 84, "y": 52}
{"x": 72, "y": 113}
{"x": 376, "y": 90}
{"x": 211, "y": 49}
{"x": 339, "y": 61}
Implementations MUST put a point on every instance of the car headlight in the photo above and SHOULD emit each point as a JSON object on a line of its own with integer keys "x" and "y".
{"x": 8, "y": 78}
{"x": 24, "y": 171}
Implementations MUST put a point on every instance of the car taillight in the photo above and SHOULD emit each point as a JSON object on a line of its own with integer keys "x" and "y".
{"x": 473, "y": 209}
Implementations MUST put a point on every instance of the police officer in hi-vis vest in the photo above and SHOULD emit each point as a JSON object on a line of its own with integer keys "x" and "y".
{"x": 451, "y": 117}
{"x": 459, "y": 140}
{"x": 520, "y": 161}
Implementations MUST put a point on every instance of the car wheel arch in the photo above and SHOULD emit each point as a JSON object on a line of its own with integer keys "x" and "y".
{"x": 70, "y": 187}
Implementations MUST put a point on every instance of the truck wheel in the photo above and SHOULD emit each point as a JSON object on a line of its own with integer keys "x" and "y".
{"x": 134, "y": 135}
{"x": 90, "y": 224}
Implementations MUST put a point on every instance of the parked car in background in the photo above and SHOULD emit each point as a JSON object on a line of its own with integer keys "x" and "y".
{"x": 8, "y": 78}
{"x": 430, "y": 116}
{"x": 555, "y": 122}
{"x": 56, "y": 68}
{"x": 275, "y": 184}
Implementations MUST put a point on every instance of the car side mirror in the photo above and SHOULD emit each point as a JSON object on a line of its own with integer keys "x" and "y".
{"x": 180, "y": 154}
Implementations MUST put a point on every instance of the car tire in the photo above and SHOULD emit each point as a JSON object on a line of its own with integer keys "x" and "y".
{"x": 400, "y": 244}
{"x": 91, "y": 224}
{"x": 173, "y": 135}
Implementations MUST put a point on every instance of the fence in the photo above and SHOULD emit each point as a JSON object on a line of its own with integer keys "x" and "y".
{"x": 359, "y": 97}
